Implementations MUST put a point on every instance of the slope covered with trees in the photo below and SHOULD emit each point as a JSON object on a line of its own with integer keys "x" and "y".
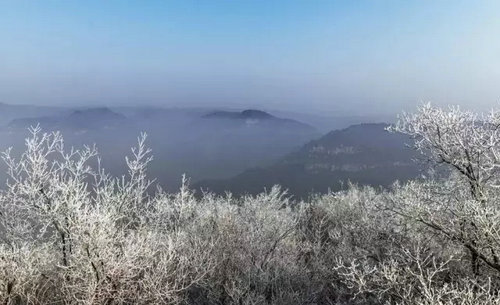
{"x": 365, "y": 154}
{"x": 72, "y": 234}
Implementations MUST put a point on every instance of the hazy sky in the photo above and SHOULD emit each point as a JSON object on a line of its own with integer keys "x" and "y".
{"x": 329, "y": 56}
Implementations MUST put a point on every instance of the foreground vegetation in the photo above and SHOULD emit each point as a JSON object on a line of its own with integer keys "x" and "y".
{"x": 71, "y": 234}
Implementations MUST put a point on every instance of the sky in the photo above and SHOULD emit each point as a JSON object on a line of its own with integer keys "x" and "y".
{"x": 335, "y": 57}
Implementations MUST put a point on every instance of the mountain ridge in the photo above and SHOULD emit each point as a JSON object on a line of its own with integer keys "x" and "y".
{"x": 89, "y": 118}
{"x": 255, "y": 117}
{"x": 362, "y": 153}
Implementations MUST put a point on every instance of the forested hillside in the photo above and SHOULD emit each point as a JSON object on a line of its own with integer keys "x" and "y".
{"x": 366, "y": 154}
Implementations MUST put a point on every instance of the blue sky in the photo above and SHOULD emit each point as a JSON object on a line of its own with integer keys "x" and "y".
{"x": 356, "y": 57}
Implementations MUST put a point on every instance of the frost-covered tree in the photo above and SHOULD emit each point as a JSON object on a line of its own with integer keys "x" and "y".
{"x": 468, "y": 144}
{"x": 72, "y": 234}
{"x": 465, "y": 141}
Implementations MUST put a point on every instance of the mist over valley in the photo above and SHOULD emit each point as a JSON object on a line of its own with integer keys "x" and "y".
{"x": 242, "y": 151}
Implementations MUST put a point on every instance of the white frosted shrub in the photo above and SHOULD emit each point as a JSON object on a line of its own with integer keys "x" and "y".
{"x": 253, "y": 246}
{"x": 75, "y": 235}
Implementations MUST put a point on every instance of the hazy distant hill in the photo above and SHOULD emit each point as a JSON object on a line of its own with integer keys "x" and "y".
{"x": 11, "y": 112}
{"x": 327, "y": 122}
{"x": 217, "y": 147}
{"x": 249, "y": 114}
{"x": 365, "y": 154}
{"x": 259, "y": 118}
{"x": 211, "y": 145}
{"x": 91, "y": 118}
{"x": 183, "y": 140}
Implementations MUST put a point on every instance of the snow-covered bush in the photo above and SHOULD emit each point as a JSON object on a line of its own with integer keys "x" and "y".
{"x": 71, "y": 234}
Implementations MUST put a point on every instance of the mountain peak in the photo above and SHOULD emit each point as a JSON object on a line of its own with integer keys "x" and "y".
{"x": 243, "y": 115}
{"x": 97, "y": 111}
{"x": 255, "y": 114}
{"x": 98, "y": 117}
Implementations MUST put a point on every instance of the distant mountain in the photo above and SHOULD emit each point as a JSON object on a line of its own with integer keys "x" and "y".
{"x": 10, "y": 112}
{"x": 325, "y": 122}
{"x": 216, "y": 148}
{"x": 182, "y": 140}
{"x": 364, "y": 154}
{"x": 85, "y": 119}
{"x": 249, "y": 114}
{"x": 95, "y": 118}
{"x": 258, "y": 117}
